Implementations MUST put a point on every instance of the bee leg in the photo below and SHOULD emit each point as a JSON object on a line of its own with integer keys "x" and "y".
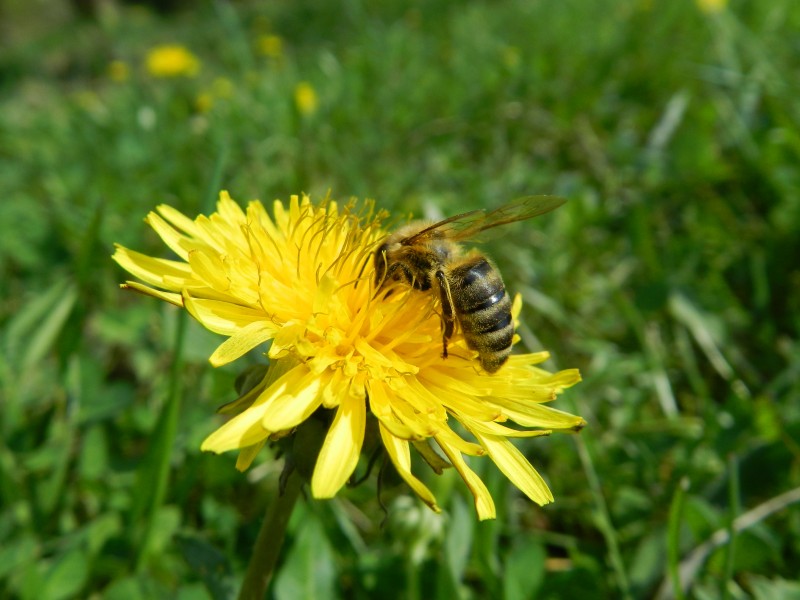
{"x": 448, "y": 320}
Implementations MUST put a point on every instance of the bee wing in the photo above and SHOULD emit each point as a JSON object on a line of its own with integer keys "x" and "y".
{"x": 468, "y": 224}
{"x": 447, "y": 227}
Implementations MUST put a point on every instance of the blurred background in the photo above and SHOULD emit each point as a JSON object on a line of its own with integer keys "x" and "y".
{"x": 670, "y": 279}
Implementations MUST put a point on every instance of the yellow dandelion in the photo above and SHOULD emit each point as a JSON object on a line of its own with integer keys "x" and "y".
{"x": 712, "y": 7}
{"x": 171, "y": 61}
{"x": 204, "y": 102}
{"x": 304, "y": 280}
{"x": 271, "y": 45}
{"x": 305, "y": 98}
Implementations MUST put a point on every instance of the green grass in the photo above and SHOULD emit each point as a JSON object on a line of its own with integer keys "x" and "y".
{"x": 670, "y": 279}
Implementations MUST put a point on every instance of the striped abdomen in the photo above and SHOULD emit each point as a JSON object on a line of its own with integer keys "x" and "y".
{"x": 484, "y": 310}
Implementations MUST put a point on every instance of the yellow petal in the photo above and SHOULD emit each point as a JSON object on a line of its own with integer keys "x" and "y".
{"x": 158, "y": 272}
{"x": 389, "y": 406}
{"x": 538, "y": 415}
{"x": 209, "y": 268}
{"x": 247, "y": 428}
{"x": 421, "y": 398}
{"x": 484, "y": 505}
{"x": 220, "y": 316}
{"x": 516, "y": 307}
{"x": 247, "y": 455}
{"x": 178, "y": 219}
{"x": 301, "y": 399}
{"x": 208, "y": 234}
{"x": 229, "y": 209}
{"x": 492, "y": 428}
{"x": 147, "y": 290}
{"x": 178, "y": 243}
{"x": 241, "y": 431}
{"x": 467, "y": 404}
{"x": 533, "y": 358}
{"x": 400, "y": 455}
{"x": 516, "y": 467}
{"x": 455, "y": 441}
{"x": 381, "y": 406}
{"x": 242, "y": 341}
{"x": 371, "y": 355}
{"x": 258, "y": 215}
{"x": 399, "y": 430}
{"x": 322, "y": 295}
{"x": 333, "y": 393}
{"x": 418, "y": 423}
{"x": 339, "y": 454}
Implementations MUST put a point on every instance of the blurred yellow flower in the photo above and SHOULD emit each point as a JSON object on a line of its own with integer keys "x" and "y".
{"x": 711, "y": 7}
{"x": 271, "y": 45}
{"x": 118, "y": 71}
{"x": 304, "y": 280}
{"x": 171, "y": 61}
{"x": 221, "y": 88}
{"x": 305, "y": 98}
{"x": 89, "y": 101}
{"x": 204, "y": 102}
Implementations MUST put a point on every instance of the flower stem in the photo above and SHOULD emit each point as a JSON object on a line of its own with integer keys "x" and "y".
{"x": 270, "y": 540}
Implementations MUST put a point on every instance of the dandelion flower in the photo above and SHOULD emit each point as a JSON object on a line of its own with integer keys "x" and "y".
{"x": 204, "y": 102}
{"x": 712, "y": 7}
{"x": 171, "y": 61}
{"x": 118, "y": 71}
{"x": 303, "y": 279}
{"x": 271, "y": 45}
{"x": 305, "y": 98}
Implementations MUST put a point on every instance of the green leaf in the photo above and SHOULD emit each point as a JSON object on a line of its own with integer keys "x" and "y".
{"x": 129, "y": 588}
{"x": 458, "y": 540}
{"x": 309, "y": 570}
{"x": 208, "y": 563}
{"x": 32, "y": 332}
{"x": 101, "y": 529}
{"x": 16, "y": 552}
{"x": 524, "y": 569}
{"x": 53, "y": 459}
{"x": 66, "y": 577}
{"x": 773, "y": 589}
{"x": 166, "y": 521}
{"x": 93, "y": 459}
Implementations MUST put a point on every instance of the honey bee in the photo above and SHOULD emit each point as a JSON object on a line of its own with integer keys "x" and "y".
{"x": 429, "y": 258}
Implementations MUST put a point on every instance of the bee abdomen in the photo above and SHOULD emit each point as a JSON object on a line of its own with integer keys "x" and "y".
{"x": 484, "y": 311}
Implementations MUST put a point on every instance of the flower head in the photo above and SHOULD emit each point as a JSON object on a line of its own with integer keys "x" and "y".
{"x": 305, "y": 98}
{"x": 303, "y": 279}
{"x": 712, "y": 7}
{"x": 271, "y": 45}
{"x": 171, "y": 61}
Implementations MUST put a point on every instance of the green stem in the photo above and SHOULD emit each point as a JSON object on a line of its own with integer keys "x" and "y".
{"x": 154, "y": 474}
{"x": 270, "y": 540}
{"x": 735, "y": 508}
{"x": 674, "y": 538}
{"x": 603, "y": 515}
